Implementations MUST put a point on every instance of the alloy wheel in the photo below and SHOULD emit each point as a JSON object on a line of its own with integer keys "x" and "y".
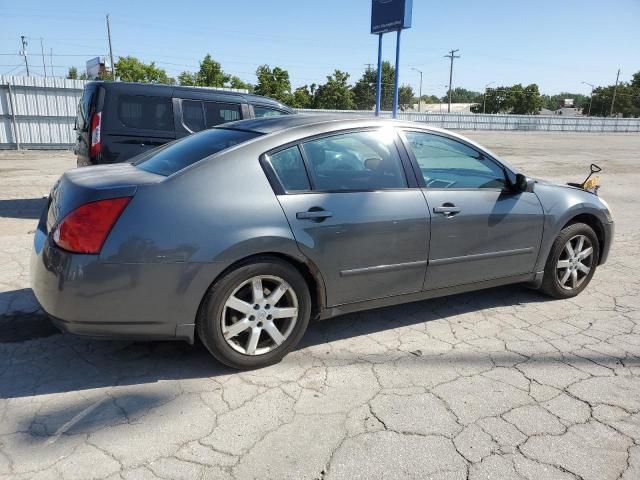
{"x": 259, "y": 315}
{"x": 575, "y": 262}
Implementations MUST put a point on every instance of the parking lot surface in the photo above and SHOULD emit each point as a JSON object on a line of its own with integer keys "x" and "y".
{"x": 502, "y": 383}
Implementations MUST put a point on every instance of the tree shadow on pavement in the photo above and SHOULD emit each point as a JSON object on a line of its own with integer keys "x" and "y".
{"x": 42, "y": 362}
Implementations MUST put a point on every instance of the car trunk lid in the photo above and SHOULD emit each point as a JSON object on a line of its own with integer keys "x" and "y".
{"x": 83, "y": 185}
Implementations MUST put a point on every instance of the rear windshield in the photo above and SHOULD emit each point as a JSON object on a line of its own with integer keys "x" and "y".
{"x": 84, "y": 108}
{"x": 175, "y": 156}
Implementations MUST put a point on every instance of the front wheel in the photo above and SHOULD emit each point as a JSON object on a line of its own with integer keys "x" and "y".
{"x": 572, "y": 261}
{"x": 254, "y": 315}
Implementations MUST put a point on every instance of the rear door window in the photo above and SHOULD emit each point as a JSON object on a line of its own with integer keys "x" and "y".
{"x": 218, "y": 113}
{"x": 193, "y": 115}
{"x": 146, "y": 112}
{"x": 267, "y": 112}
{"x": 366, "y": 160}
{"x": 177, "y": 155}
{"x": 289, "y": 167}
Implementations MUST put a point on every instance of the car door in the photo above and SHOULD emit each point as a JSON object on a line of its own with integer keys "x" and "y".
{"x": 481, "y": 229}
{"x": 355, "y": 213}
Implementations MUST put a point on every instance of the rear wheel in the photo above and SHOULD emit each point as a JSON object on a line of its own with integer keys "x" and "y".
{"x": 572, "y": 261}
{"x": 255, "y": 314}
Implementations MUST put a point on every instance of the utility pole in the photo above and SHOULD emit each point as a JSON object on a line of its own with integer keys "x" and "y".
{"x": 590, "y": 98}
{"x": 484, "y": 101}
{"x": 451, "y": 55}
{"x": 113, "y": 65}
{"x": 51, "y": 61}
{"x": 615, "y": 89}
{"x": 420, "y": 97}
{"x": 44, "y": 65}
{"x": 23, "y": 52}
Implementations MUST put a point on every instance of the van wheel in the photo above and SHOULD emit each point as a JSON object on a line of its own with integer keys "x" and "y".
{"x": 572, "y": 261}
{"x": 256, "y": 314}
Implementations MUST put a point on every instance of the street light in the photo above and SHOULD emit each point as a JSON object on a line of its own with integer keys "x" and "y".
{"x": 484, "y": 101}
{"x": 590, "y": 98}
{"x": 420, "y": 97}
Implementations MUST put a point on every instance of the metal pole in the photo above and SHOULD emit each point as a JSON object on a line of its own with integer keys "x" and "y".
{"x": 591, "y": 98}
{"x": 44, "y": 65}
{"x": 451, "y": 55}
{"x": 397, "y": 76}
{"x": 113, "y": 65}
{"x": 379, "y": 76}
{"x": 51, "y": 61}
{"x": 24, "y": 53}
{"x": 615, "y": 89}
{"x": 420, "y": 97}
{"x": 12, "y": 104}
{"x": 484, "y": 101}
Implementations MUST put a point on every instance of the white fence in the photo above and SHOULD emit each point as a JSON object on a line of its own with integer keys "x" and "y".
{"x": 38, "y": 112}
{"x": 472, "y": 121}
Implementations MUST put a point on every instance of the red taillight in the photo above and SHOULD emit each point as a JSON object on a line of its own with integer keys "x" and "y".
{"x": 86, "y": 228}
{"x": 96, "y": 143}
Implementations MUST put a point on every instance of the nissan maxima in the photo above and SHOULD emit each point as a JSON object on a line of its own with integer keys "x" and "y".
{"x": 243, "y": 233}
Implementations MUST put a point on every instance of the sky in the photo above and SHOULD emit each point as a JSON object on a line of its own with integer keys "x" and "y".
{"x": 556, "y": 44}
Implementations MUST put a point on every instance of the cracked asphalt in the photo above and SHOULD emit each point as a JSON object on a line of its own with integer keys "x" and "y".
{"x": 497, "y": 384}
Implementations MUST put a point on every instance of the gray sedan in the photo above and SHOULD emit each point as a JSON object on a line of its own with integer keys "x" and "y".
{"x": 242, "y": 234}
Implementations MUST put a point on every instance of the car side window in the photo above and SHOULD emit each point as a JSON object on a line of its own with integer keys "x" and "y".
{"x": 266, "y": 112}
{"x": 219, "y": 113}
{"x": 147, "y": 112}
{"x": 193, "y": 115}
{"x": 289, "y": 168}
{"x": 366, "y": 160}
{"x": 447, "y": 163}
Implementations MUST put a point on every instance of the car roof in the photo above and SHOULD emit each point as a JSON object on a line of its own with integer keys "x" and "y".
{"x": 327, "y": 123}
{"x": 282, "y": 123}
{"x": 168, "y": 90}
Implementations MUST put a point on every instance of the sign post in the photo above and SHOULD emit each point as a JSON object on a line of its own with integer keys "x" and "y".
{"x": 389, "y": 16}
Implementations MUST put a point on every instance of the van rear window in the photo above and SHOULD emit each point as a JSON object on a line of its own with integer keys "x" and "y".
{"x": 147, "y": 112}
{"x": 177, "y": 155}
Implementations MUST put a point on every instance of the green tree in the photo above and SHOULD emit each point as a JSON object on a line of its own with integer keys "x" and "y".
{"x": 525, "y": 100}
{"x": 211, "y": 74}
{"x": 273, "y": 83}
{"x": 515, "y": 99}
{"x": 462, "y": 95}
{"x": 405, "y": 97}
{"x": 336, "y": 93}
{"x": 627, "y": 102}
{"x": 303, "y": 97}
{"x": 130, "y": 69}
{"x": 364, "y": 91}
{"x": 430, "y": 99}
{"x": 187, "y": 79}
{"x": 236, "y": 82}
{"x": 72, "y": 74}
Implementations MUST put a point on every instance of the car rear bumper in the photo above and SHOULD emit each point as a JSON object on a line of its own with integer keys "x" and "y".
{"x": 86, "y": 296}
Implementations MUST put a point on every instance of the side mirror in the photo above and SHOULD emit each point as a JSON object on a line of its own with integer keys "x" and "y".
{"x": 523, "y": 184}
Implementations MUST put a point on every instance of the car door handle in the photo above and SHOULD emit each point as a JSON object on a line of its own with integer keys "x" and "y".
{"x": 447, "y": 209}
{"x": 314, "y": 214}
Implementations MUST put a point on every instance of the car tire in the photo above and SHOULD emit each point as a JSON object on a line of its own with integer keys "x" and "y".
{"x": 236, "y": 347}
{"x": 565, "y": 273}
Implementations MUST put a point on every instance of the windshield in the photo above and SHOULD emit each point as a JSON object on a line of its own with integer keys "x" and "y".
{"x": 175, "y": 156}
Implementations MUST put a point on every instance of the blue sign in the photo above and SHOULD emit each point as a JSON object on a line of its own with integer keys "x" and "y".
{"x": 390, "y": 15}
